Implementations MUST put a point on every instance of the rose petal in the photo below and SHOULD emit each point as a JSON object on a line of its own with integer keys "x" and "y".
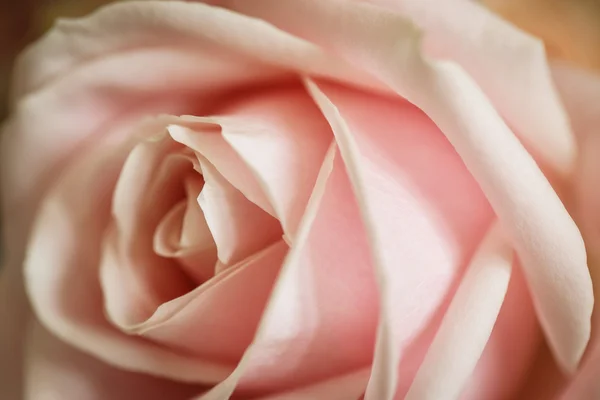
{"x": 467, "y": 324}
{"x": 203, "y": 135}
{"x": 586, "y": 385}
{"x": 344, "y": 387}
{"x": 509, "y": 65}
{"x": 118, "y": 27}
{"x": 545, "y": 381}
{"x": 511, "y": 349}
{"x": 283, "y": 128}
{"x": 61, "y": 273}
{"x": 218, "y": 320}
{"x": 55, "y": 370}
{"x": 150, "y": 184}
{"x": 276, "y": 127}
{"x": 581, "y": 93}
{"x": 184, "y": 235}
{"x": 238, "y": 226}
{"x": 544, "y": 235}
{"x": 405, "y": 174}
{"x": 325, "y": 291}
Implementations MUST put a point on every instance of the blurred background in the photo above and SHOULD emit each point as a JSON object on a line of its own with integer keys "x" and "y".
{"x": 22, "y": 21}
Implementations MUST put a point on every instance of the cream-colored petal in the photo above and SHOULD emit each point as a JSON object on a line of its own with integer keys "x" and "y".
{"x": 509, "y": 65}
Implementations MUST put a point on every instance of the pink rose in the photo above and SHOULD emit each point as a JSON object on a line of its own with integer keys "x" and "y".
{"x": 297, "y": 199}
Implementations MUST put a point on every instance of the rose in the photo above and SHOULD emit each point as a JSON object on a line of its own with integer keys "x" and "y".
{"x": 363, "y": 198}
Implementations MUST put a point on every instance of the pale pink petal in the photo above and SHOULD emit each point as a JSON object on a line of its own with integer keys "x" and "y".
{"x": 203, "y": 135}
{"x": 195, "y": 27}
{"x": 238, "y": 226}
{"x": 544, "y": 235}
{"x": 283, "y": 141}
{"x": 467, "y": 324}
{"x": 62, "y": 269}
{"x": 55, "y": 370}
{"x": 508, "y": 64}
{"x": 581, "y": 93}
{"x": 325, "y": 293}
{"x": 423, "y": 212}
{"x": 268, "y": 144}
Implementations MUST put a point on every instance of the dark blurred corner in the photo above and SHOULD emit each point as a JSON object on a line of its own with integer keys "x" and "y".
{"x": 16, "y": 18}
{"x": 23, "y": 21}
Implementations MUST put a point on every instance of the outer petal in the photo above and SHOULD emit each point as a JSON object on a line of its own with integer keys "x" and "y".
{"x": 55, "y": 370}
{"x": 581, "y": 94}
{"x": 509, "y": 65}
{"x": 544, "y": 235}
{"x": 580, "y": 91}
